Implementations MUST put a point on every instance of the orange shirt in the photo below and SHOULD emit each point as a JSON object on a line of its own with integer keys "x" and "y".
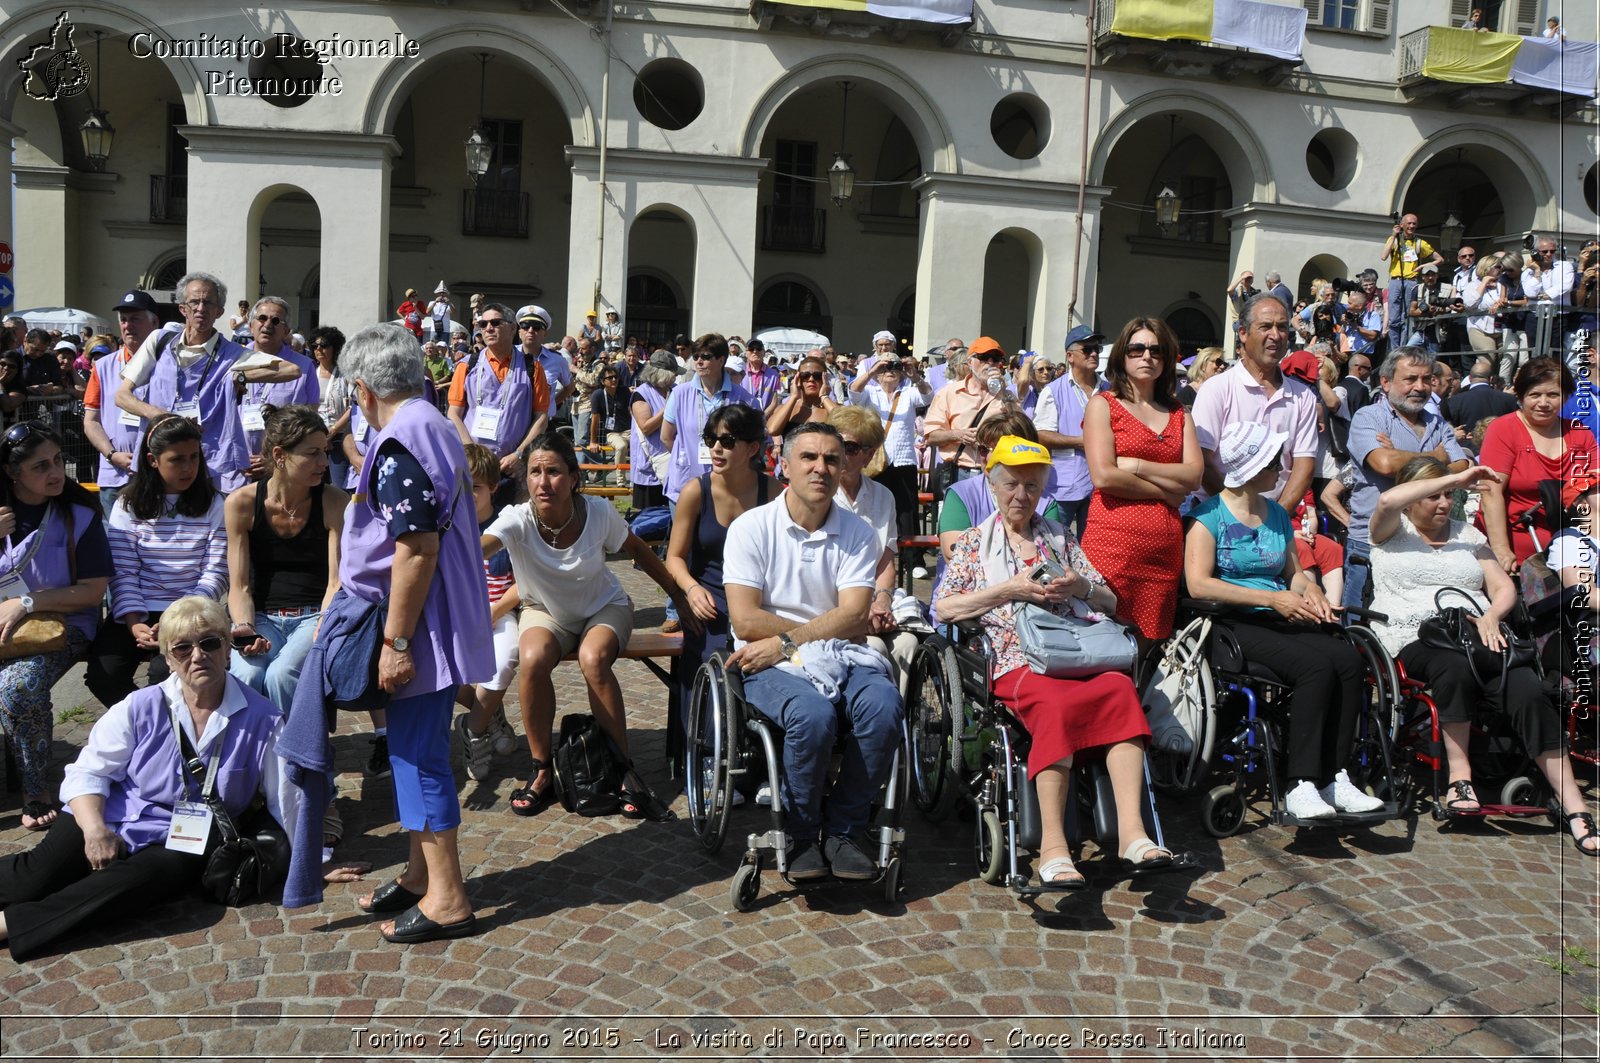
{"x": 541, "y": 386}
{"x": 91, "y": 390}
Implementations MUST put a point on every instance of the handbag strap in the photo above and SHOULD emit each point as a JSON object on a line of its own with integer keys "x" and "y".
{"x": 198, "y": 770}
{"x": 38, "y": 539}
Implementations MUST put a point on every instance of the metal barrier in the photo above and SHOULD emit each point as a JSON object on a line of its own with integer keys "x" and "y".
{"x": 65, "y": 416}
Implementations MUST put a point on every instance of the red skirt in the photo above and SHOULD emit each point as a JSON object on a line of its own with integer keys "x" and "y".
{"x": 1064, "y": 716}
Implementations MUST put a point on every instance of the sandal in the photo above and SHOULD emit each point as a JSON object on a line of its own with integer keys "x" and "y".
{"x": 41, "y": 813}
{"x": 1464, "y": 794}
{"x": 1146, "y": 855}
{"x": 644, "y": 804}
{"x": 1062, "y": 874}
{"x": 533, "y": 801}
{"x": 390, "y": 897}
{"x": 1592, "y": 833}
{"x": 332, "y": 827}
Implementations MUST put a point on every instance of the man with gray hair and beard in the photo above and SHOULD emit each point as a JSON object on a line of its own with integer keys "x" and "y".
{"x": 1385, "y": 434}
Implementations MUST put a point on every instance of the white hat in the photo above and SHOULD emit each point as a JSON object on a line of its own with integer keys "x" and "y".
{"x": 883, "y": 334}
{"x": 1246, "y": 448}
{"x": 441, "y": 290}
{"x": 534, "y": 311}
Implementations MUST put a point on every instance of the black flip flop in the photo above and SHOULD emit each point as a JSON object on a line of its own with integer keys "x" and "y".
{"x": 37, "y": 810}
{"x": 390, "y": 897}
{"x": 413, "y": 928}
{"x": 644, "y": 804}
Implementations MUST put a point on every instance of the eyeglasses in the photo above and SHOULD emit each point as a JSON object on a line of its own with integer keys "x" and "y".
{"x": 809, "y": 374}
{"x": 1466, "y": 255}
{"x": 491, "y": 322}
{"x": 320, "y": 346}
{"x": 1090, "y": 348}
{"x": 1154, "y": 350}
{"x": 201, "y": 304}
{"x": 184, "y": 650}
{"x": 19, "y": 432}
{"x": 268, "y": 319}
{"x": 852, "y": 448}
{"x": 727, "y": 440}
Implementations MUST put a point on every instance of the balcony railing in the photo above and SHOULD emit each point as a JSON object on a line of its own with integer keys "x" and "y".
{"x": 1486, "y": 67}
{"x": 169, "y": 197}
{"x": 494, "y": 212}
{"x": 794, "y": 229}
{"x": 1174, "y": 40}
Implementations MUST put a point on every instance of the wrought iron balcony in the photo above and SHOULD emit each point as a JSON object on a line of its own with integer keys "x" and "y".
{"x": 493, "y": 212}
{"x": 169, "y": 197}
{"x": 1469, "y": 68}
{"x": 794, "y": 229}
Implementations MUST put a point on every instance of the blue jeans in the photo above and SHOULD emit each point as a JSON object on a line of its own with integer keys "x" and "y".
{"x": 1074, "y": 514}
{"x": 108, "y": 499}
{"x": 810, "y": 724}
{"x": 1357, "y": 570}
{"x": 1399, "y": 295}
{"x": 276, "y": 672}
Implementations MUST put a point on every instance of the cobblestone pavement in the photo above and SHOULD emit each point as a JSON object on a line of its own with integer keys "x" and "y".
{"x": 607, "y": 939}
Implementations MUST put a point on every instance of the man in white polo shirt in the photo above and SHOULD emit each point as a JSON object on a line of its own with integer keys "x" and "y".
{"x": 799, "y": 570}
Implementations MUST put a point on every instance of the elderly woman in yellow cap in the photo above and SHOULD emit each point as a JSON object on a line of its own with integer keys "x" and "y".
{"x": 990, "y": 572}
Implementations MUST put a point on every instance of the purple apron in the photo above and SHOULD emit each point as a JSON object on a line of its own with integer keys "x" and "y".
{"x": 209, "y": 382}
{"x": 513, "y": 397}
{"x": 689, "y": 415}
{"x": 124, "y": 438}
{"x": 305, "y": 391}
{"x": 640, "y": 470}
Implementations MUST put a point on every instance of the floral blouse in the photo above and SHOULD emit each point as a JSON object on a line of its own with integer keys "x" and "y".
{"x": 404, "y": 493}
{"x": 965, "y": 573}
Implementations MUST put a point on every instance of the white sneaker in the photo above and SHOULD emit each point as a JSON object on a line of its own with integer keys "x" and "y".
{"x": 706, "y": 782}
{"x": 919, "y": 573}
{"x": 1304, "y": 802}
{"x": 1342, "y": 795}
{"x": 764, "y": 795}
{"x": 505, "y": 739}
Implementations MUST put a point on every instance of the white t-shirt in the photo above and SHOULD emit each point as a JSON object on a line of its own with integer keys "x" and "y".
{"x": 874, "y": 504}
{"x": 798, "y": 573}
{"x": 142, "y": 366}
{"x": 1573, "y": 549}
{"x": 571, "y": 585}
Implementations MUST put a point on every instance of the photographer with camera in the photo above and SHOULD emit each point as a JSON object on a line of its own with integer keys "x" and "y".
{"x": 1242, "y": 289}
{"x": 1360, "y": 326}
{"x": 1320, "y": 320}
{"x": 1432, "y": 300}
{"x": 1406, "y": 253}
{"x": 1547, "y": 277}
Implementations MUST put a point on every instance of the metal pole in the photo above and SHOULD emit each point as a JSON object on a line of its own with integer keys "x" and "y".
{"x": 600, "y": 201}
{"x": 1083, "y": 159}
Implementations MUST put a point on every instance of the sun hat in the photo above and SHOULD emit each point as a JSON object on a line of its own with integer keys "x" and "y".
{"x": 1246, "y": 448}
{"x": 1014, "y": 450}
{"x": 665, "y": 360}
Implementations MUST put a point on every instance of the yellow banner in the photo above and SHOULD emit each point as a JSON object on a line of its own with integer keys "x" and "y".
{"x": 1468, "y": 57}
{"x": 1163, "y": 20}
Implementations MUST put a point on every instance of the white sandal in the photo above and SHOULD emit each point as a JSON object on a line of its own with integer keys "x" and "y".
{"x": 1061, "y": 874}
{"x": 1139, "y": 855}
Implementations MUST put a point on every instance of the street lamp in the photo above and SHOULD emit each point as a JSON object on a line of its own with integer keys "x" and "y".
{"x": 841, "y": 177}
{"x": 478, "y": 149}
{"x": 1452, "y": 232}
{"x": 96, "y": 131}
{"x": 1167, "y": 205}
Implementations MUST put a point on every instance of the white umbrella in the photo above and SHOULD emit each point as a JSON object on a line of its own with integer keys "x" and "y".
{"x": 791, "y": 341}
{"x": 65, "y": 318}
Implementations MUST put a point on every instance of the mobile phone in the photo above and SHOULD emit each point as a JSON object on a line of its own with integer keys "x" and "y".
{"x": 241, "y": 641}
{"x": 1047, "y": 571}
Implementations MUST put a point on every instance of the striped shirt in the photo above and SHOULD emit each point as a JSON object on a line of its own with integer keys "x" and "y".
{"x": 158, "y": 561}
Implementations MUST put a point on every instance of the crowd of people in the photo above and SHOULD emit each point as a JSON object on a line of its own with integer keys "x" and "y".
{"x": 266, "y": 522}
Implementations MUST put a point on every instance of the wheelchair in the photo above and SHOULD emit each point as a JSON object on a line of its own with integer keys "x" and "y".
{"x": 968, "y": 750}
{"x": 1239, "y": 726}
{"x": 742, "y": 748}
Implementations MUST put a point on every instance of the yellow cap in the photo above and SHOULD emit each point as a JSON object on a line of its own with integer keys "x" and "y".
{"x": 1014, "y": 450}
{"x": 591, "y": 314}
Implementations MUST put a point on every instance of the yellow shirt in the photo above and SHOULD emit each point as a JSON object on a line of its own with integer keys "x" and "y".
{"x": 1408, "y": 254}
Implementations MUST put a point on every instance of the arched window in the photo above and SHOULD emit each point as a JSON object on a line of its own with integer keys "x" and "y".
{"x": 792, "y": 304}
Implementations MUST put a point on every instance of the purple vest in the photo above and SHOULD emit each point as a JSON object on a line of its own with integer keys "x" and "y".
{"x": 1072, "y": 468}
{"x": 640, "y": 471}
{"x": 452, "y": 642}
{"x": 48, "y": 568}
{"x": 975, "y": 494}
{"x": 513, "y": 397}
{"x": 689, "y": 415}
{"x": 124, "y": 438}
{"x": 305, "y": 391}
{"x": 762, "y": 386}
{"x": 210, "y": 381}
{"x": 139, "y": 807}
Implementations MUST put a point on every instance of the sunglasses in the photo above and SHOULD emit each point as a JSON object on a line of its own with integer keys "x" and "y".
{"x": 491, "y": 322}
{"x": 726, "y": 440}
{"x": 808, "y": 375}
{"x": 990, "y": 359}
{"x": 853, "y": 448}
{"x": 184, "y": 650}
{"x": 702, "y": 356}
{"x": 530, "y": 324}
{"x": 268, "y": 319}
{"x": 1154, "y": 350}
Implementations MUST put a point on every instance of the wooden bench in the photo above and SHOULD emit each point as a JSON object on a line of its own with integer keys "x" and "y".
{"x": 645, "y": 647}
{"x": 903, "y": 565}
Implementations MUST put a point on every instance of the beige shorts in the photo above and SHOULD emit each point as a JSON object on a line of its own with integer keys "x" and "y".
{"x": 617, "y": 616}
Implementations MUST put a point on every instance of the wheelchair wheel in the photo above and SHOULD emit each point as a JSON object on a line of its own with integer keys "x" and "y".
{"x": 1222, "y": 810}
{"x": 745, "y": 887}
{"x": 990, "y": 846}
{"x": 1520, "y": 791}
{"x": 930, "y": 716}
{"x": 708, "y": 758}
{"x": 891, "y": 880}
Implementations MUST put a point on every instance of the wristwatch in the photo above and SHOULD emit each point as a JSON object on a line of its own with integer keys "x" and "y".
{"x": 399, "y": 644}
{"x": 790, "y": 650}
{"x": 27, "y": 604}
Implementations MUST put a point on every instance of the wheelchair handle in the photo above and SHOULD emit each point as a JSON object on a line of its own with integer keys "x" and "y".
{"x": 1365, "y": 614}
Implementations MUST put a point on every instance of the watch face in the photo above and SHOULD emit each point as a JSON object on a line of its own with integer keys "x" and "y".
{"x": 400, "y": 644}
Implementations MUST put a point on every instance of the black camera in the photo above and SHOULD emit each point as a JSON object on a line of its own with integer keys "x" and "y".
{"x": 1322, "y": 321}
{"x": 1345, "y": 287}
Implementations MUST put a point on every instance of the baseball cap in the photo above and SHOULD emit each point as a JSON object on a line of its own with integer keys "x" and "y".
{"x": 1429, "y": 268}
{"x": 1082, "y": 334}
{"x": 1302, "y": 365}
{"x": 1245, "y": 449}
{"x": 137, "y": 300}
{"x": 1014, "y": 450}
{"x": 984, "y": 345}
{"x": 1580, "y": 484}
{"x": 590, "y": 313}
{"x": 531, "y": 311}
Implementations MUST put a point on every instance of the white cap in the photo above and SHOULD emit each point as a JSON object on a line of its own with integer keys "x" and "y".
{"x": 1246, "y": 448}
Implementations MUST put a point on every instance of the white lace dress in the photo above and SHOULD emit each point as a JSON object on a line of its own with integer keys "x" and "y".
{"x": 1407, "y": 571}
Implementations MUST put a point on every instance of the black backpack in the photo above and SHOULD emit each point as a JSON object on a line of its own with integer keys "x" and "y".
{"x": 589, "y": 768}
{"x": 1356, "y": 396}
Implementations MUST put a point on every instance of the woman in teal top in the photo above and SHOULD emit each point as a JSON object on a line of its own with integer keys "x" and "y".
{"x": 1239, "y": 551}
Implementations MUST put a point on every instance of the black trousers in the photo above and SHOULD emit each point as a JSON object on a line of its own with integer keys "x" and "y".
{"x": 50, "y": 889}
{"x": 1326, "y": 675}
{"x": 901, "y": 480}
{"x": 1457, "y": 695}
{"x": 114, "y": 657}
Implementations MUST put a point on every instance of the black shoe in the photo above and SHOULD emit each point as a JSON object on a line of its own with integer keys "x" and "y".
{"x": 848, "y": 859}
{"x": 805, "y": 862}
{"x": 378, "y": 764}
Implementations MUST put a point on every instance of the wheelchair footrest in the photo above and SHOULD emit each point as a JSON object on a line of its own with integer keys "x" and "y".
{"x": 1485, "y": 811}
{"x": 1341, "y": 820}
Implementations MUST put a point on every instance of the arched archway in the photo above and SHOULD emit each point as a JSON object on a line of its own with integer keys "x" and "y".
{"x": 661, "y": 262}
{"x": 792, "y": 301}
{"x": 1489, "y": 182}
{"x": 1319, "y": 267}
{"x": 285, "y": 225}
{"x": 1224, "y": 130}
{"x": 1013, "y": 264}
{"x": 1196, "y": 326}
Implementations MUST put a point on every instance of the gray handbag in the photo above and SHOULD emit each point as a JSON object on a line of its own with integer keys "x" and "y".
{"x": 1070, "y": 647}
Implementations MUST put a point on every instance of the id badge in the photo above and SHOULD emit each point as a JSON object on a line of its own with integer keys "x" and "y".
{"x": 705, "y": 454}
{"x": 486, "y": 423}
{"x": 12, "y": 585}
{"x": 251, "y": 417}
{"x": 189, "y": 409}
{"x": 129, "y": 419}
{"x": 1410, "y": 254}
{"x": 359, "y": 429}
{"x": 191, "y": 827}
